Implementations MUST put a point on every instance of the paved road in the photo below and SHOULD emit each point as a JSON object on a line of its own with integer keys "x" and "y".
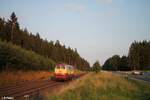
{"x": 145, "y": 77}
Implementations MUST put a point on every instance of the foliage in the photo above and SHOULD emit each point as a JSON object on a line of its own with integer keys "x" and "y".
{"x": 14, "y": 57}
{"x": 116, "y": 63}
{"x": 139, "y": 55}
{"x": 10, "y": 31}
{"x": 102, "y": 86}
{"x": 124, "y": 65}
{"x": 96, "y": 66}
{"x": 138, "y": 58}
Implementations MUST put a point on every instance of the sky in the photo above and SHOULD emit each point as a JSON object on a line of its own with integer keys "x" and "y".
{"x": 98, "y": 29}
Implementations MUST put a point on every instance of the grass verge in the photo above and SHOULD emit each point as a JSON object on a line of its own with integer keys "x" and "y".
{"x": 102, "y": 86}
{"x": 7, "y": 77}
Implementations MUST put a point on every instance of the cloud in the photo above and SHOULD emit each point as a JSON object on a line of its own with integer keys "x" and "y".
{"x": 75, "y": 7}
{"x": 105, "y": 1}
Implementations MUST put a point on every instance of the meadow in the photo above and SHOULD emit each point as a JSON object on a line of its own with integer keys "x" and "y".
{"x": 102, "y": 86}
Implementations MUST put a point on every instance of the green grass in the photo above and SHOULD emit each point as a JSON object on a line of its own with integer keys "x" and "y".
{"x": 102, "y": 86}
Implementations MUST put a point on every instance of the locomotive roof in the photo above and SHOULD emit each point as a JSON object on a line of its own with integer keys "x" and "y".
{"x": 60, "y": 64}
{"x": 63, "y": 65}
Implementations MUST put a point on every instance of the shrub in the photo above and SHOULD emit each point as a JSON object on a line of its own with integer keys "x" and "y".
{"x": 14, "y": 57}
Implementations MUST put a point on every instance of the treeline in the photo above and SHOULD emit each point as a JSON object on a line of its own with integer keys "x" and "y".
{"x": 13, "y": 57}
{"x": 116, "y": 63}
{"x": 137, "y": 59}
{"x": 139, "y": 55}
{"x": 10, "y": 32}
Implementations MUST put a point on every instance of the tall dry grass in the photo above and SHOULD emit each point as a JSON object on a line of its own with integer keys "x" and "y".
{"x": 7, "y": 77}
{"x": 101, "y": 86}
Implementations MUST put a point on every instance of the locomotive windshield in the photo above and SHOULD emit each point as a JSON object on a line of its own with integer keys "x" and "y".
{"x": 57, "y": 67}
{"x": 60, "y": 66}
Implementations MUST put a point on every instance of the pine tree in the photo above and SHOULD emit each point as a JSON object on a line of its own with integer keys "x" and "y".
{"x": 10, "y": 31}
{"x": 96, "y": 66}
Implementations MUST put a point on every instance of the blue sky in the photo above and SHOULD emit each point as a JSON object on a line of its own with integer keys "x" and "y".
{"x": 97, "y": 28}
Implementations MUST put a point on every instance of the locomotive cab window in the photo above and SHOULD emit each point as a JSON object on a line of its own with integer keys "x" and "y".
{"x": 62, "y": 67}
{"x": 57, "y": 67}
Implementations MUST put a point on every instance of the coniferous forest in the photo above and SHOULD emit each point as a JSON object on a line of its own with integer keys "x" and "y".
{"x": 139, "y": 55}
{"x": 13, "y": 40}
{"x": 138, "y": 58}
{"x": 21, "y": 49}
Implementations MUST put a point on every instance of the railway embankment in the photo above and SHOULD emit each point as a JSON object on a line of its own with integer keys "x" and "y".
{"x": 102, "y": 86}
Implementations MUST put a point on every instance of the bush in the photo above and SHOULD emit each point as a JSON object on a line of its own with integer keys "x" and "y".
{"x": 96, "y": 67}
{"x": 14, "y": 57}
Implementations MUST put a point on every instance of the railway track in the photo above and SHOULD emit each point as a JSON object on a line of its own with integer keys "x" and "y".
{"x": 14, "y": 86}
{"x": 25, "y": 90}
